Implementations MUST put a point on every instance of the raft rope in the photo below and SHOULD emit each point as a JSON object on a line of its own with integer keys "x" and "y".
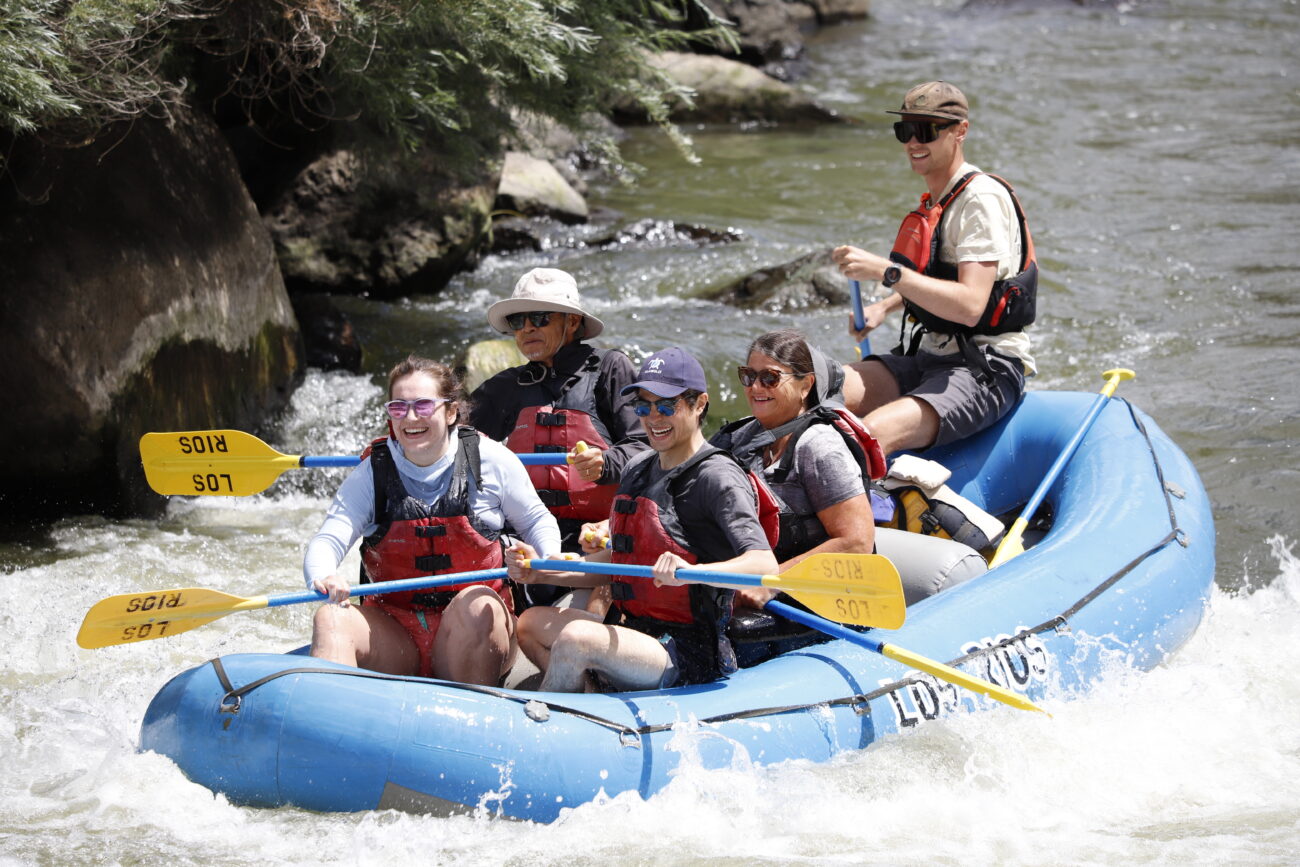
{"x": 233, "y": 698}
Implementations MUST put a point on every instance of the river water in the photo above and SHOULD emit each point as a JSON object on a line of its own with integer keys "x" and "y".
{"x": 1154, "y": 148}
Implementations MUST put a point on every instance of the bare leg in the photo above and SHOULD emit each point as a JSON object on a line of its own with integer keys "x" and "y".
{"x": 630, "y": 659}
{"x": 868, "y": 385}
{"x": 599, "y": 601}
{"x": 476, "y": 638}
{"x": 541, "y": 625}
{"x": 906, "y": 423}
{"x": 365, "y": 637}
{"x": 896, "y": 421}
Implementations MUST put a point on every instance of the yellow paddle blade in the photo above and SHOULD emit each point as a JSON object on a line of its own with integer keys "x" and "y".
{"x": 960, "y": 678}
{"x": 862, "y": 589}
{"x": 95, "y": 636}
{"x": 227, "y": 463}
{"x": 144, "y": 616}
{"x": 1012, "y": 545}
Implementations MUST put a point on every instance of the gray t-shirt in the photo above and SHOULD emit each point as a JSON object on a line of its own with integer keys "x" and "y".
{"x": 822, "y": 474}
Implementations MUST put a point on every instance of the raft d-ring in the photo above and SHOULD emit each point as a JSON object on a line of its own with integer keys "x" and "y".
{"x": 228, "y": 706}
{"x": 1181, "y": 536}
{"x": 537, "y": 711}
{"x": 862, "y": 707}
{"x": 629, "y": 739}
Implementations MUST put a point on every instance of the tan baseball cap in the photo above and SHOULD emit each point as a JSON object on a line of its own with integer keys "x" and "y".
{"x": 935, "y": 99}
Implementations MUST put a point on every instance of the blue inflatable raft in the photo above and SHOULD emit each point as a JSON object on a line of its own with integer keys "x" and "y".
{"x": 1125, "y": 569}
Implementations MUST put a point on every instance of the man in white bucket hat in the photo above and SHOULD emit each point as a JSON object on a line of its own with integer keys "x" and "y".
{"x": 568, "y": 392}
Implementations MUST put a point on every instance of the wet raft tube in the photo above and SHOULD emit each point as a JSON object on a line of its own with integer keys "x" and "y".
{"x": 1124, "y": 572}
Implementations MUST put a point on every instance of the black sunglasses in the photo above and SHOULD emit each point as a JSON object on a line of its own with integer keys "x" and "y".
{"x": 766, "y": 378}
{"x": 924, "y": 131}
{"x": 539, "y": 318}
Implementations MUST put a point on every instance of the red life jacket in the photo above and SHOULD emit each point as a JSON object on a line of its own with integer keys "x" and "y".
{"x": 1012, "y": 302}
{"x": 414, "y": 540}
{"x": 643, "y": 527}
{"x": 558, "y": 426}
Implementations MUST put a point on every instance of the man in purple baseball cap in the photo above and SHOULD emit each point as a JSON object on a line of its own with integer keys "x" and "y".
{"x": 685, "y": 503}
{"x": 668, "y": 373}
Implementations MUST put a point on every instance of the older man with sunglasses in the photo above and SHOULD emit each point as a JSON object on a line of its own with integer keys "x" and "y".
{"x": 568, "y": 392}
{"x": 964, "y": 272}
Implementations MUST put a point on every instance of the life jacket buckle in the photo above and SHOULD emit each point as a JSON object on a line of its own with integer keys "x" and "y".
{"x": 552, "y": 497}
{"x": 432, "y": 563}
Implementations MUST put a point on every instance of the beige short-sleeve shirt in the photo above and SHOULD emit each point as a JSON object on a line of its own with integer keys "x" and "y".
{"x": 980, "y": 225}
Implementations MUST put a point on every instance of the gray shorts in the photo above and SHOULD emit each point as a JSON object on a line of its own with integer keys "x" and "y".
{"x": 950, "y": 385}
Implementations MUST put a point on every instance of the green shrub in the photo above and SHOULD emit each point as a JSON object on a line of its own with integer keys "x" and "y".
{"x": 447, "y": 73}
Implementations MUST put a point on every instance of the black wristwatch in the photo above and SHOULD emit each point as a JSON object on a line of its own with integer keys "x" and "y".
{"x": 891, "y": 276}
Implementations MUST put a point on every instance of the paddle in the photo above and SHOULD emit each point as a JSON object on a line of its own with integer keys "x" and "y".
{"x": 938, "y": 669}
{"x": 151, "y": 614}
{"x": 1013, "y": 542}
{"x": 831, "y": 628}
{"x": 862, "y": 589}
{"x": 859, "y": 318}
{"x": 231, "y": 463}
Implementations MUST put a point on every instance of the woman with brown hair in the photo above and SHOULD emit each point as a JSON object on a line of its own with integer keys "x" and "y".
{"x": 432, "y": 498}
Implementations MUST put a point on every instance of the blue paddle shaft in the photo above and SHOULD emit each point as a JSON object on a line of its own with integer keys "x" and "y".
{"x": 821, "y": 624}
{"x": 423, "y": 583}
{"x": 859, "y": 318}
{"x": 740, "y": 578}
{"x": 540, "y": 459}
{"x": 328, "y": 461}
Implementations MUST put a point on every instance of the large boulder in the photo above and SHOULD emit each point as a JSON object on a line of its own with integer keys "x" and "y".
{"x": 811, "y": 281}
{"x": 354, "y": 223}
{"x": 770, "y": 33}
{"x": 486, "y": 358}
{"x": 138, "y": 292}
{"x": 837, "y": 11}
{"x": 727, "y": 91}
{"x": 534, "y": 188}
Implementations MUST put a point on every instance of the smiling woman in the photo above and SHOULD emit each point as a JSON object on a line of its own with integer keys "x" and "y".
{"x": 430, "y": 499}
{"x": 817, "y": 475}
